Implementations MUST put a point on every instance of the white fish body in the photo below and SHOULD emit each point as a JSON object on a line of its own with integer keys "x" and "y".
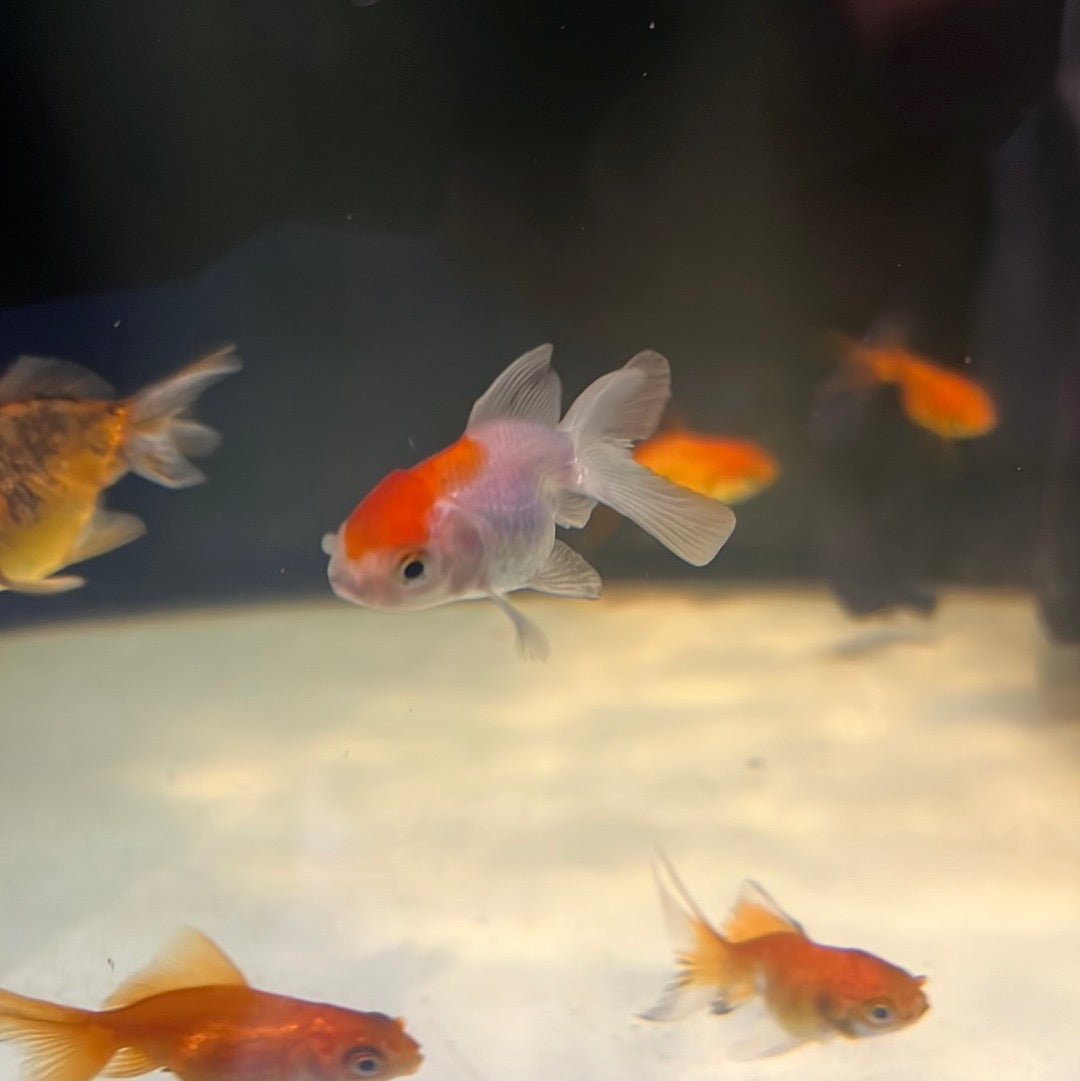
{"x": 478, "y": 519}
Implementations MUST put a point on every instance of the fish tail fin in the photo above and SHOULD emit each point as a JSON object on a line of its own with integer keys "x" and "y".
{"x": 58, "y": 1043}
{"x": 841, "y": 401}
{"x": 162, "y": 435}
{"x": 610, "y": 415}
{"x": 707, "y": 974}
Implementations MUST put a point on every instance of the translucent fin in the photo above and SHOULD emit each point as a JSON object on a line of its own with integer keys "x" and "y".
{"x": 618, "y": 409}
{"x": 527, "y": 390}
{"x": 708, "y": 974}
{"x": 574, "y": 510}
{"x": 58, "y": 1043}
{"x": 761, "y": 1035}
{"x": 532, "y": 644}
{"x": 566, "y": 574}
{"x": 129, "y": 1062}
{"x": 58, "y": 583}
{"x": 43, "y": 377}
{"x": 107, "y": 530}
{"x": 692, "y": 526}
{"x": 755, "y": 914}
{"x": 623, "y": 406}
{"x": 188, "y": 959}
{"x": 161, "y": 436}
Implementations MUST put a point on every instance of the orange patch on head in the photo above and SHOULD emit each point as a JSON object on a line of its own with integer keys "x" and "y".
{"x": 394, "y": 514}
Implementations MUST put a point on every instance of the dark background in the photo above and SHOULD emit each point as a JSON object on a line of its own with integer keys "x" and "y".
{"x": 382, "y": 205}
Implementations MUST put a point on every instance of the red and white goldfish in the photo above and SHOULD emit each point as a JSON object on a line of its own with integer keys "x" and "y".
{"x": 945, "y": 402}
{"x": 190, "y": 1011}
{"x": 64, "y": 439}
{"x": 731, "y": 470}
{"x": 478, "y": 519}
{"x": 763, "y": 959}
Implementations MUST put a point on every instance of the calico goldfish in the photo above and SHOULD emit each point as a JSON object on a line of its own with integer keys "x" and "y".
{"x": 190, "y": 1011}
{"x": 731, "y": 470}
{"x": 65, "y": 438}
{"x": 945, "y": 402}
{"x": 803, "y": 991}
{"x": 478, "y": 519}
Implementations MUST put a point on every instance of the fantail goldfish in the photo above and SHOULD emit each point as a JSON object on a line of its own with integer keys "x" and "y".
{"x": 803, "y": 991}
{"x": 942, "y": 401}
{"x": 478, "y": 519}
{"x": 64, "y": 439}
{"x": 192, "y": 1012}
{"x": 731, "y": 470}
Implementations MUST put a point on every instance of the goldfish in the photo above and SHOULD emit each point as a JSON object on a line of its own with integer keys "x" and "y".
{"x": 192, "y": 1012}
{"x": 945, "y": 402}
{"x": 796, "y": 990}
{"x": 731, "y": 470}
{"x": 65, "y": 438}
{"x": 478, "y": 519}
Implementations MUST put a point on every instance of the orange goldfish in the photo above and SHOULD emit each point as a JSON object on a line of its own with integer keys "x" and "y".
{"x": 64, "y": 439}
{"x": 192, "y": 1012}
{"x": 803, "y": 991}
{"x": 942, "y": 401}
{"x": 731, "y": 470}
{"x": 478, "y": 519}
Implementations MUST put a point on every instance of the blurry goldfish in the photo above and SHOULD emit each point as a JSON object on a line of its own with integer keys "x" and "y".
{"x": 731, "y": 470}
{"x": 192, "y": 1012}
{"x": 802, "y": 990}
{"x": 64, "y": 438}
{"x": 478, "y": 519}
{"x": 942, "y": 401}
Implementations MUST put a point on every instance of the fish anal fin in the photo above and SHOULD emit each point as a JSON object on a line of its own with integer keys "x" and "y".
{"x": 188, "y": 959}
{"x": 566, "y": 574}
{"x": 130, "y": 1062}
{"x": 527, "y": 390}
{"x": 756, "y": 914}
{"x": 45, "y": 377}
{"x": 105, "y": 531}
{"x": 573, "y": 510}
{"x": 58, "y": 583}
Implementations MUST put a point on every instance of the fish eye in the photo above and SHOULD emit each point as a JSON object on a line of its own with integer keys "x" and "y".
{"x": 363, "y": 1062}
{"x": 879, "y": 1014}
{"x": 412, "y": 568}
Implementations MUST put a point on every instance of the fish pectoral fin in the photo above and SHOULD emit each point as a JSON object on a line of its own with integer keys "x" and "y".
{"x": 760, "y": 1034}
{"x": 58, "y": 583}
{"x": 188, "y": 959}
{"x": 566, "y": 574}
{"x": 106, "y": 530}
{"x": 130, "y": 1062}
{"x": 532, "y": 644}
{"x": 527, "y": 390}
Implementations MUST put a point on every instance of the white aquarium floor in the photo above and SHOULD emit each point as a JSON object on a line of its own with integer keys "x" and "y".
{"x": 395, "y": 813}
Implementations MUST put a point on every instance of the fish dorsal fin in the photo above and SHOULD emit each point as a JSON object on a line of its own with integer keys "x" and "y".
{"x": 755, "y": 914}
{"x": 188, "y": 959}
{"x": 527, "y": 390}
{"x": 44, "y": 377}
